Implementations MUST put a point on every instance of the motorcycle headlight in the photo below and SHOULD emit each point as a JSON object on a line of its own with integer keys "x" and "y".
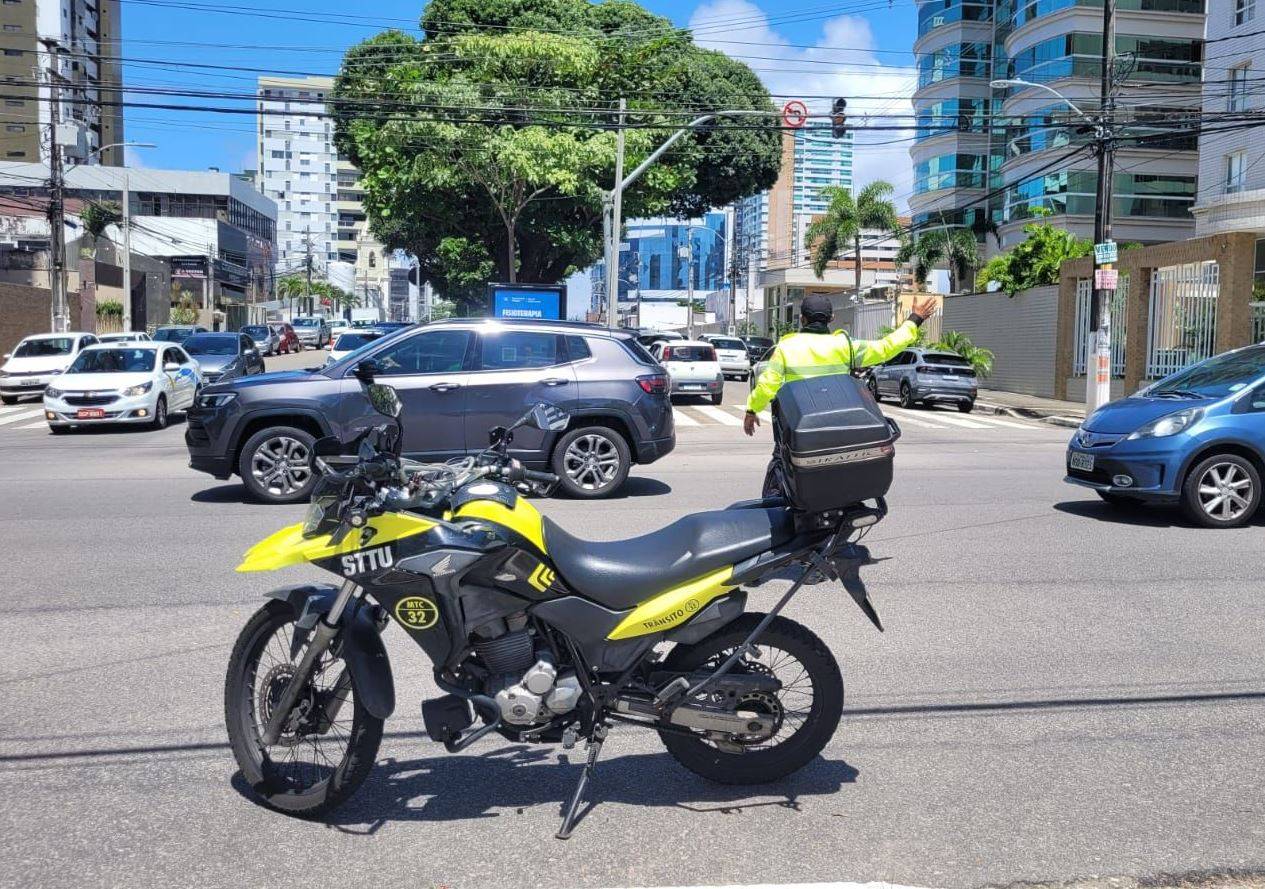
{"x": 141, "y": 389}
{"x": 52, "y": 392}
{"x": 1170, "y": 424}
{"x": 215, "y": 399}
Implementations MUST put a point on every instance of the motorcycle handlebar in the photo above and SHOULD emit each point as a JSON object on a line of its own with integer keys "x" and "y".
{"x": 544, "y": 478}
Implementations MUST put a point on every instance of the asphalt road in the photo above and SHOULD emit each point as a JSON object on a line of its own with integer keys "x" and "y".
{"x": 1062, "y": 690}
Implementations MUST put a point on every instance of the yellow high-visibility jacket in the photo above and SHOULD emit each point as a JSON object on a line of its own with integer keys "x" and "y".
{"x": 800, "y": 356}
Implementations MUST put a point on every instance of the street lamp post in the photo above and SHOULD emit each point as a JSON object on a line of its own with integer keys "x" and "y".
{"x": 126, "y": 205}
{"x": 1098, "y": 363}
{"x": 689, "y": 270}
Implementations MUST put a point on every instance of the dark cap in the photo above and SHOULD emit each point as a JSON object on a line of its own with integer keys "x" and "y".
{"x": 816, "y": 307}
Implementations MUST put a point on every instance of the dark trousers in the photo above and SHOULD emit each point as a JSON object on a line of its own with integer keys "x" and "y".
{"x": 773, "y": 475}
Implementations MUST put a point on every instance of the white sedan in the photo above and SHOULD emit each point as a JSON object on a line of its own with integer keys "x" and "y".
{"x": 127, "y": 382}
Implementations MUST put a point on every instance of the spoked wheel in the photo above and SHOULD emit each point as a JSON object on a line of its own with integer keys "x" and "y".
{"x": 329, "y": 744}
{"x": 1223, "y": 491}
{"x": 805, "y": 710}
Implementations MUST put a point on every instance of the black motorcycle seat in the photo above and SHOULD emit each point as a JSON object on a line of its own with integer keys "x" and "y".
{"x": 623, "y": 573}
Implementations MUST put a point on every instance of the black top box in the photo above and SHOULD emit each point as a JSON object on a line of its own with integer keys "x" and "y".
{"x": 834, "y": 444}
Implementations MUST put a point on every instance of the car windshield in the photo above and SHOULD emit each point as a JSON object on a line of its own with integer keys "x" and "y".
{"x": 306, "y": 322}
{"x": 728, "y": 344}
{"x": 689, "y": 353}
{"x": 212, "y": 344}
{"x": 173, "y": 334}
{"x": 349, "y": 341}
{"x": 942, "y": 358}
{"x": 113, "y": 361}
{"x": 759, "y": 342}
{"x": 255, "y": 331}
{"x": 1215, "y": 378}
{"x": 117, "y": 337}
{"x": 42, "y": 348}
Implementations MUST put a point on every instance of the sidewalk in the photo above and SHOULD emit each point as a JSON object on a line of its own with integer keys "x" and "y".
{"x": 1047, "y": 410}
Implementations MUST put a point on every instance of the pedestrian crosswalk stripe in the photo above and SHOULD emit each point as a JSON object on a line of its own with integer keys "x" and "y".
{"x": 917, "y": 421}
{"x": 683, "y": 419}
{"x": 40, "y": 425}
{"x": 939, "y": 418}
{"x": 997, "y": 421}
{"x": 717, "y": 414}
{"x": 21, "y": 415}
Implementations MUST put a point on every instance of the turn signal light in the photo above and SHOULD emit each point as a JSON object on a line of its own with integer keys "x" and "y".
{"x": 653, "y": 384}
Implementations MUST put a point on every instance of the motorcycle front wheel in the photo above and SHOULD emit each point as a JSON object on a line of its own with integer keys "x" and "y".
{"x": 806, "y": 710}
{"x": 326, "y": 751}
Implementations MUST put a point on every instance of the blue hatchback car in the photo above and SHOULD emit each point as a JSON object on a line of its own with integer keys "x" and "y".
{"x": 1195, "y": 438}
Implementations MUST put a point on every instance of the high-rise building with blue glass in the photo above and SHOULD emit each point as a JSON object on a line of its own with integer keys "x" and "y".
{"x": 654, "y": 260}
{"x": 991, "y": 159}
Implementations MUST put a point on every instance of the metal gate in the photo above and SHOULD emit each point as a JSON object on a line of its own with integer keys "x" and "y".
{"x": 1084, "y": 294}
{"x": 1183, "y": 317}
{"x": 1258, "y": 322}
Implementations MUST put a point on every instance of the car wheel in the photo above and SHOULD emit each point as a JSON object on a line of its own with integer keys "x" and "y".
{"x": 966, "y": 406}
{"x": 718, "y": 398}
{"x": 591, "y": 462}
{"x": 906, "y": 396}
{"x": 1223, "y": 491}
{"x": 9, "y": 399}
{"x": 872, "y": 385}
{"x": 276, "y": 465}
{"x": 160, "y": 413}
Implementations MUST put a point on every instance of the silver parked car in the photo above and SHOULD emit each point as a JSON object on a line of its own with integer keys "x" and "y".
{"x": 925, "y": 376}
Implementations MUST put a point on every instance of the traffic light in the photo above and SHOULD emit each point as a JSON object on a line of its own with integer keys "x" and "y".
{"x": 839, "y": 118}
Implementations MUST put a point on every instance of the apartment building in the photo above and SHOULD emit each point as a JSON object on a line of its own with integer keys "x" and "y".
{"x": 320, "y": 204}
{"x": 86, "y": 35}
{"x": 986, "y": 158}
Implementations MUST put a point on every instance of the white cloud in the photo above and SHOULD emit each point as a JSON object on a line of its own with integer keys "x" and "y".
{"x": 841, "y": 63}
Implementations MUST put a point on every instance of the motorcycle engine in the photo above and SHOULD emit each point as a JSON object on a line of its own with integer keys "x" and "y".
{"x": 525, "y": 682}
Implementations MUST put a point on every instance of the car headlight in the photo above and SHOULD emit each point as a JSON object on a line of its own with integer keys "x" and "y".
{"x": 52, "y": 392}
{"x": 1170, "y": 424}
{"x": 141, "y": 389}
{"x": 215, "y": 399}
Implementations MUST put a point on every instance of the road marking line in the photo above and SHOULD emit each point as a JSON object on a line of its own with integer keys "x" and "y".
{"x": 799, "y": 886}
{"x": 1009, "y": 424}
{"x": 42, "y": 424}
{"x": 25, "y": 415}
{"x": 916, "y": 421}
{"x": 939, "y": 418}
{"x": 683, "y": 419}
{"x": 717, "y": 414}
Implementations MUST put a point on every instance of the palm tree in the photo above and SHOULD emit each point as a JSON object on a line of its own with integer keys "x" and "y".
{"x": 292, "y": 287}
{"x": 955, "y": 247}
{"x": 96, "y": 217}
{"x": 846, "y": 218}
{"x": 981, "y": 359}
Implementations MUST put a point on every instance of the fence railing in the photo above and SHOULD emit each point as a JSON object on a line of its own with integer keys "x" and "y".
{"x": 1084, "y": 295}
{"x": 1183, "y": 317}
{"x": 1258, "y": 322}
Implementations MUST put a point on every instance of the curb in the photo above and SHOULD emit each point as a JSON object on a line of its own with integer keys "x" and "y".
{"x": 1067, "y": 422}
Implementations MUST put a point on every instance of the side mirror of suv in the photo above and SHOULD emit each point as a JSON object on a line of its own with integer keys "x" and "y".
{"x": 366, "y": 370}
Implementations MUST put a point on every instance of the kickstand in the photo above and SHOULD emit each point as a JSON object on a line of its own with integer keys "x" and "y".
{"x": 594, "y": 748}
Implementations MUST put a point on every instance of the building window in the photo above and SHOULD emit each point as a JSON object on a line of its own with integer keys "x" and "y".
{"x": 1244, "y": 11}
{"x": 17, "y": 154}
{"x": 13, "y": 52}
{"x": 1238, "y": 89}
{"x": 14, "y": 103}
{"x": 12, "y": 29}
{"x": 1235, "y": 169}
{"x": 15, "y": 128}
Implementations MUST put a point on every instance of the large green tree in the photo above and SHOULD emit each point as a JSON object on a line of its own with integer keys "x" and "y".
{"x": 1035, "y": 261}
{"x": 846, "y": 217}
{"x": 485, "y": 145}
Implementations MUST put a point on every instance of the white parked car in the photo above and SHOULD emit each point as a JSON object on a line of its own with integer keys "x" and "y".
{"x": 732, "y": 354}
{"x": 337, "y": 327}
{"x": 123, "y": 383}
{"x": 36, "y": 360}
{"x": 135, "y": 336}
{"x": 350, "y": 341}
{"x": 692, "y": 367}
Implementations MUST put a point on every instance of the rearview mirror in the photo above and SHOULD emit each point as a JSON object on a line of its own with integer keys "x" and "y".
{"x": 549, "y": 418}
{"x": 385, "y": 400}
{"x": 366, "y": 370}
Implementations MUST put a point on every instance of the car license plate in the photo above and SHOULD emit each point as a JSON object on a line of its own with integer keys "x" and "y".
{"x": 89, "y": 413}
{"x": 950, "y": 376}
{"x": 30, "y": 384}
{"x": 1083, "y": 462}
{"x": 693, "y": 387}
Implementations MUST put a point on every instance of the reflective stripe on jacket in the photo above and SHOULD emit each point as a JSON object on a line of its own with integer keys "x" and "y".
{"x": 804, "y": 355}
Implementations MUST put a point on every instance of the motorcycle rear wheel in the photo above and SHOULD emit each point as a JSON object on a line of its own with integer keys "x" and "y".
{"x": 297, "y": 775}
{"x": 809, "y": 704}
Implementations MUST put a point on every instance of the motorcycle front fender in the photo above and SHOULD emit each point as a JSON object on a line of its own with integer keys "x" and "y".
{"x": 362, "y": 647}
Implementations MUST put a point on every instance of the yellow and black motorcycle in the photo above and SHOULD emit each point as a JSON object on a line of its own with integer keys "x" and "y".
{"x": 542, "y": 636}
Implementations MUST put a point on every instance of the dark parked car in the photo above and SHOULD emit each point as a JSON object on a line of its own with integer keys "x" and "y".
{"x": 224, "y": 356}
{"x": 457, "y": 379}
{"x": 757, "y": 346}
{"x": 926, "y": 376}
{"x": 177, "y": 333}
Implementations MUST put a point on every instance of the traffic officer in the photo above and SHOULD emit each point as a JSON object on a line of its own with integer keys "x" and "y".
{"x": 816, "y": 352}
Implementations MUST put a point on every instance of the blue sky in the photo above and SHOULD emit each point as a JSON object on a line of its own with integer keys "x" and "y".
{"x": 849, "y": 47}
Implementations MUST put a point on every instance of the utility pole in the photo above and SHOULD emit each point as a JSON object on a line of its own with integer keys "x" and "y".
{"x": 57, "y": 197}
{"x": 615, "y": 206}
{"x": 689, "y": 284}
{"x": 307, "y": 262}
{"x": 127, "y": 252}
{"x": 1098, "y": 367}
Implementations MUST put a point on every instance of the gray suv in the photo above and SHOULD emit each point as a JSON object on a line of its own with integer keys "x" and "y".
{"x": 457, "y": 379}
{"x": 926, "y": 376}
